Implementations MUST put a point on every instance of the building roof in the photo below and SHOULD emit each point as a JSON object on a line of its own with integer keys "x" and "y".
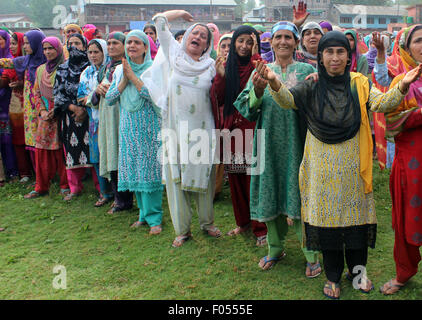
{"x": 373, "y": 10}
{"x": 163, "y": 2}
{"x": 11, "y": 18}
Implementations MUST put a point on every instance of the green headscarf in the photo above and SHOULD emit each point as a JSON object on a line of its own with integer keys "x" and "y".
{"x": 259, "y": 27}
{"x": 129, "y": 99}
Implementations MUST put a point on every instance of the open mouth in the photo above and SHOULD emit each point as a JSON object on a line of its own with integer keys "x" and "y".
{"x": 195, "y": 43}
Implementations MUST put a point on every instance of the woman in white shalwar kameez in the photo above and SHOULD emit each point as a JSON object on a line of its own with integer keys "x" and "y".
{"x": 179, "y": 82}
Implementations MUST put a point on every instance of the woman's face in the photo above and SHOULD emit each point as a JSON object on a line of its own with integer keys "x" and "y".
{"x": 27, "y": 46}
{"x": 311, "y": 40}
{"x": 13, "y": 46}
{"x": 2, "y": 43}
{"x": 351, "y": 41}
{"x": 415, "y": 46}
{"x": 283, "y": 44}
{"x": 335, "y": 60}
{"x": 197, "y": 41}
{"x": 150, "y": 32}
{"x": 95, "y": 55}
{"x": 115, "y": 48}
{"x": 49, "y": 51}
{"x": 135, "y": 48}
{"x": 243, "y": 45}
{"x": 225, "y": 47}
{"x": 70, "y": 31}
{"x": 76, "y": 42}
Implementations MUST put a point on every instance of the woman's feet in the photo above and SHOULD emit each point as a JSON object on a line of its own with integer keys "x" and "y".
{"x": 180, "y": 240}
{"x": 138, "y": 224}
{"x": 155, "y": 230}
{"x": 261, "y": 241}
{"x": 71, "y": 196}
{"x": 236, "y": 231}
{"x": 331, "y": 290}
{"x": 33, "y": 194}
{"x": 213, "y": 232}
{"x": 391, "y": 287}
{"x": 101, "y": 201}
{"x": 267, "y": 263}
{"x": 313, "y": 270}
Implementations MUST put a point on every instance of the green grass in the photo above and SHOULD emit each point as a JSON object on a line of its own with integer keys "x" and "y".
{"x": 105, "y": 259}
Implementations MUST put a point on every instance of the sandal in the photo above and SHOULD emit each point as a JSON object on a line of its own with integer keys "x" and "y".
{"x": 213, "y": 232}
{"x": 272, "y": 261}
{"x": 236, "y": 231}
{"x": 261, "y": 241}
{"x": 350, "y": 277}
{"x": 116, "y": 209}
{"x": 64, "y": 192}
{"x": 101, "y": 201}
{"x": 312, "y": 268}
{"x": 180, "y": 240}
{"x": 331, "y": 286}
{"x": 137, "y": 224}
{"x": 70, "y": 196}
{"x": 155, "y": 230}
{"x": 391, "y": 285}
{"x": 33, "y": 194}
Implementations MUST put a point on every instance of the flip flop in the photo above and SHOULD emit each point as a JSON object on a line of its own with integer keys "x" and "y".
{"x": 333, "y": 286}
{"x": 391, "y": 285}
{"x": 33, "y": 194}
{"x": 313, "y": 268}
{"x": 274, "y": 260}
{"x": 155, "y": 230}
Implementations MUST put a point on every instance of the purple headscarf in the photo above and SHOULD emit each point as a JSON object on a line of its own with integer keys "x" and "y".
{"x": 32, "y": 61}
{"x": 57, "y": 44}
{"x": 326, "y": 24}
{"x": 5, "y": 52}
{"x": 266, "y": 52}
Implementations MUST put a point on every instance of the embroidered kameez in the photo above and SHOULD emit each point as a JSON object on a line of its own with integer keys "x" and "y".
{"x": 277, "y": 149}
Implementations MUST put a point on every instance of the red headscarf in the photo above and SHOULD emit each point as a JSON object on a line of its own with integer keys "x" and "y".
{"x": 89, "y": 34}
{"x": 20, "y": 36}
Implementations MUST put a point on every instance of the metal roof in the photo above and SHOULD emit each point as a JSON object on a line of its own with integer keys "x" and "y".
{"x": 373, "y": 10}
{"x": 163, "y": 2}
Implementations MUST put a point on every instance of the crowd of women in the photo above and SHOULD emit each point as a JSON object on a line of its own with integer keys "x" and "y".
{"x": 101, "y": 106}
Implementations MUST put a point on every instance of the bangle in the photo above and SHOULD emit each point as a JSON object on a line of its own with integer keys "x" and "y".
{"x": 406, "y": 91}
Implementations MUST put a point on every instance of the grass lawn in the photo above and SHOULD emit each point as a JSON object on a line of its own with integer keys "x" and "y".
{"x": 105, "y": 259}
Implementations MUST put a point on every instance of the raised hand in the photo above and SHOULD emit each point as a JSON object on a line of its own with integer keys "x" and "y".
{"x": 410, "y": 77}
{"x": 255, "y": 47}
{"x": 219, "y": 66}
{"x": 377, "y": 39}
{"x": 300, "y": 15}
{"x": 265, "y": 72}
{"x": 259, "y": 84}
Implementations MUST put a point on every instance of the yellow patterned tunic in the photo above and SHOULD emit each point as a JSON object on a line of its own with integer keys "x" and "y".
{"x": 330, "y": 180}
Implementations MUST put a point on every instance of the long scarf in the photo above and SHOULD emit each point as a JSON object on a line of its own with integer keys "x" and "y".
{"x": 332, "y": 121}
{"x": 224, "y": 37}
{"x": 215, "y": 34}
{"x": 48, "y": 77}
{"x": 111, "y": 67}
{"x": 32, "y": 61}
{"x": 5, "y": 52}
{"x": 197, "y": 74}
{"x": 355, "y": 51}
{"x": 70, "y": 26}
{"x": 19, "y": 37}
{"x": 233, "y": 77}
{"x": 413, "y": 101}
{"x": 129, "y": 99}
{"x": 266, "y": 51}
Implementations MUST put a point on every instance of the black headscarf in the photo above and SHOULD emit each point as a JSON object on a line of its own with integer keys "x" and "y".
{"x": 67, "y": 76}
{"x": 232, "y": 73}
{"x": 332, "y": 112}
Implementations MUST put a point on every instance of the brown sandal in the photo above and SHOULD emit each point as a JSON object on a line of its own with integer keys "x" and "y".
{"x": 391, "y": 285}
{"x": 101, "y": 201}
